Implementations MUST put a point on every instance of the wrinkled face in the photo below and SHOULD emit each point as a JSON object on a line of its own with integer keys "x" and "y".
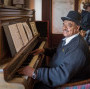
{"x": 70, "y": 28}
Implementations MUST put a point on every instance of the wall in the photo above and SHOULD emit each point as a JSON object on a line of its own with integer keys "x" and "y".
{"x": 37, "y": 5}
{"x": 60, "y": 8}
{"x": 38, "y": 9}
{"x": 31, "y": 4}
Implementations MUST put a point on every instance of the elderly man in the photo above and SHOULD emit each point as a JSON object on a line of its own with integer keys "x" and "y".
{"x": 69, "y": 60}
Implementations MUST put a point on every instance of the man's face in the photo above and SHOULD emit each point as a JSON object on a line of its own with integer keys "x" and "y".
{"x": 70, "y": 28}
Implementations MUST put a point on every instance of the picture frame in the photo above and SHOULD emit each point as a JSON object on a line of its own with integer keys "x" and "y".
{"x": 33, "y": 28}
{"x": 18, "y": 2}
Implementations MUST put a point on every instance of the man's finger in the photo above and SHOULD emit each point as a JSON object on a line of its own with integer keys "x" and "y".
{"x": 20, "y": 70}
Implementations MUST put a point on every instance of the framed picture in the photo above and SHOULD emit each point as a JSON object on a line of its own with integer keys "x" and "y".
{"x": 33, "y": 28}
{"x": 7, "y": 2}
{"x": 18, "y": 2}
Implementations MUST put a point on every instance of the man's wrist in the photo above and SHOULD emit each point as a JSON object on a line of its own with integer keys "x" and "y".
{"x": 34, "y": 74}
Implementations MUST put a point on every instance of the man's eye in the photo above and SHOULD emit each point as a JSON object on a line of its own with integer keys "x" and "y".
{"x": 70, "y": 25}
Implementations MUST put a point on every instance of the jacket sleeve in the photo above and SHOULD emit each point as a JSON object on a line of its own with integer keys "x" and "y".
{"x": 62, "y": 74}
{"x": 49, "y": 52}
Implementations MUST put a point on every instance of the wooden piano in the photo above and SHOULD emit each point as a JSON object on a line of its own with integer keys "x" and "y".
{"x": 10, "y": 64}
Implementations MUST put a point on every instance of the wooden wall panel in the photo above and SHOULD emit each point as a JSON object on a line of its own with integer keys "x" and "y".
{"x": 56, "y": 39}
{"x": 47, "y": 15}
{"x": 0, "y": 40}
{"x": 76, "y": 3}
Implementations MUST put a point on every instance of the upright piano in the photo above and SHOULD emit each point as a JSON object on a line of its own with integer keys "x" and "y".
{"x": 11, "y": 61}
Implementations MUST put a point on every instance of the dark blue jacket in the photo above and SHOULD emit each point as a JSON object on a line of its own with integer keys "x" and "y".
{"x": 85, "y": 21}
{"x": 67, "y": 62}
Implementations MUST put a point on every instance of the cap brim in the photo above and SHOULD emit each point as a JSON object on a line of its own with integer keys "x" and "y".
{"x": 67, "y": 18}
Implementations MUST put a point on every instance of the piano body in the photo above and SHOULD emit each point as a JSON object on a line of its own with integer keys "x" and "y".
{"x": 8, "y": 64}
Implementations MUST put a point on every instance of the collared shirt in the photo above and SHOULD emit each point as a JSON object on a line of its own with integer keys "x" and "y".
{"x": 68, "y": 39}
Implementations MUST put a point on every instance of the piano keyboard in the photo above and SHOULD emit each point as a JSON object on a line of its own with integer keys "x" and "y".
{"x": 34, "y": 59}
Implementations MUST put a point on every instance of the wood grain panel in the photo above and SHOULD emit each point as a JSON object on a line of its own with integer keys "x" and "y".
{"x": 0, "y": 39}
{"x": 56, "y": 38}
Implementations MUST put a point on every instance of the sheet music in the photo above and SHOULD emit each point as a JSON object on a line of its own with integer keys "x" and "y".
{"x": 22, "y": 33}
{"x": 15, "y": 37}
{"x": 28, "y": 31}
{"x": 34, "y": 29}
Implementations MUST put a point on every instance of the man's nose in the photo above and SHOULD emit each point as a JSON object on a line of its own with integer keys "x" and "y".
{"x": 64, "y": 27}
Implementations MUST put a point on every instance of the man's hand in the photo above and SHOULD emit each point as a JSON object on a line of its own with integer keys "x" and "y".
{"x": 37, "y": 51}
{"x": 28, "y": 71}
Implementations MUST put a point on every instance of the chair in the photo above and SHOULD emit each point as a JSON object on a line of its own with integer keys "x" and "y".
{"x": 84, "y": 84}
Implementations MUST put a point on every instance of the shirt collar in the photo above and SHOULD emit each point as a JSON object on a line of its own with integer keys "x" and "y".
{"x": 68, "y": 39}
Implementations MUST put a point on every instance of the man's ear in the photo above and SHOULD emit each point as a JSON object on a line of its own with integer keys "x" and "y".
{"x": 78, "y": 27}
